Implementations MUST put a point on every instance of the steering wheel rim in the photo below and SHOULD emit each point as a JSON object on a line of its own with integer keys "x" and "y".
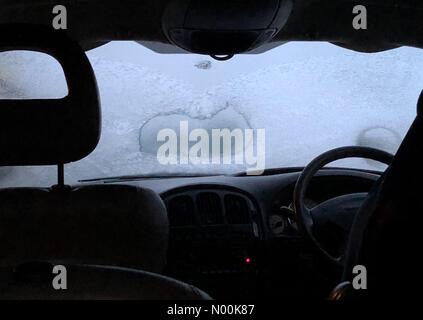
{"x": 303, "y": 214}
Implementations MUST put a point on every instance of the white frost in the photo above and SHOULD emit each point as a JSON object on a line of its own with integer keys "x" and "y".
{"x": 310, "y": 97}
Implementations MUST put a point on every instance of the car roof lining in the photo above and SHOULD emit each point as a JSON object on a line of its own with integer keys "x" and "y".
{"x": 392, "y": 23}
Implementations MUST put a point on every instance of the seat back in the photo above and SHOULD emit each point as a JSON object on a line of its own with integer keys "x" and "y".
{"x": 112, "y": 225}
{"x": 108, "y": 225}
{"x": 385, "y": 236}
{"x": 34, "y": 282}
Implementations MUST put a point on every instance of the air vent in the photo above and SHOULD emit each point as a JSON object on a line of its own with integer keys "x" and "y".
{"x": 210, "y": 208}
{"x": 237, "y": 210}
{"x": 181, "y": 211}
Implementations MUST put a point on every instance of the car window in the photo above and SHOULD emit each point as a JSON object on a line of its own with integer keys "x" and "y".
{"x": 305, "y": 98}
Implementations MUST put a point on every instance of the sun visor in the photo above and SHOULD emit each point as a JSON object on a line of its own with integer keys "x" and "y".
{"x": 50, "y": 131}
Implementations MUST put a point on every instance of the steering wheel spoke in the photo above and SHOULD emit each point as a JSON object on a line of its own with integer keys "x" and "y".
{"x": 308, "y": 219}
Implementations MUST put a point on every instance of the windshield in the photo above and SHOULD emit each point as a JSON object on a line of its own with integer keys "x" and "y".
{"x": 167, "y": 113}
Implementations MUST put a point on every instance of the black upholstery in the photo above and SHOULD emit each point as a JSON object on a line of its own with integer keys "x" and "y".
{"x": 386, "y": 233}
{"x": 106, "y": 224}
{"x": 110, "y": 238}
{"x": 94, "y": 282}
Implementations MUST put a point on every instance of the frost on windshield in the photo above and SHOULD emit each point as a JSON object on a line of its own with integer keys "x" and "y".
{"x": 309, "y": 98}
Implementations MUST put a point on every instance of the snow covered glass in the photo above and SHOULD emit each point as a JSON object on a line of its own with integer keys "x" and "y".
{"x": 308, "y": 97}
{"x": 31, "y": 75}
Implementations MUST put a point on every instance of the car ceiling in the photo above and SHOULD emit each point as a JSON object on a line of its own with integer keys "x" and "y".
{"x": 391, "y": 23}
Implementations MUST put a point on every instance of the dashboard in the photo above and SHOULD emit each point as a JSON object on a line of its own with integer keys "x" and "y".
{"x": 228, "y": 233}
{"x": 214, "y": 236}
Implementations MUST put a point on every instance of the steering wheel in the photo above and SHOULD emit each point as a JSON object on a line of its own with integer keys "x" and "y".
{"x": 336, "y": 213}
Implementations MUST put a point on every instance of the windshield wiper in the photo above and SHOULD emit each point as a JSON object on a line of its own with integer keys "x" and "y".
{"x": 152, "y": 176}
{"x": 164, "y": 175}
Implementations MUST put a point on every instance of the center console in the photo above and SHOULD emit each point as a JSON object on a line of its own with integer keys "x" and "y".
{"x": 214, "y": 237}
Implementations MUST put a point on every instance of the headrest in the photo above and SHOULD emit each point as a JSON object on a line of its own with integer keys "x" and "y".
{"x": 420, "y": 105}
{"x": 50, "y": 131}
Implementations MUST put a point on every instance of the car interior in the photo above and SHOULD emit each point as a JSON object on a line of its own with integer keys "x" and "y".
{"x": 289, "y": 232}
